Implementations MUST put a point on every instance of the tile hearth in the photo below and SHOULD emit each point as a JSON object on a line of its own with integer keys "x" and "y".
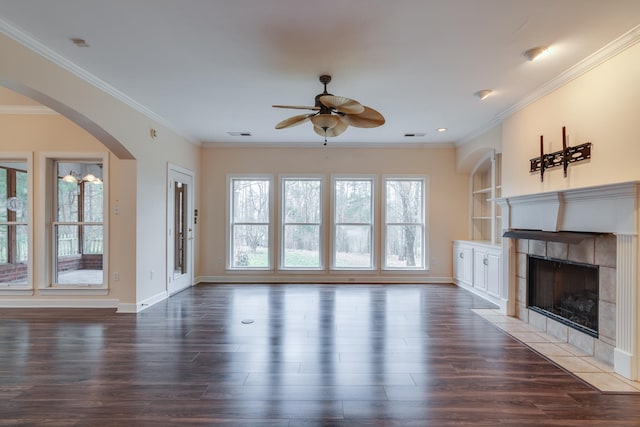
{"x": 598, "y": 374}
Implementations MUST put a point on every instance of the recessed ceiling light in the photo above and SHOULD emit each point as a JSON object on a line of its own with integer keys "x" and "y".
{"x": 79, "y": 42}
{"x": 442, "y": 129}
{"x": 239, "y": 133}
{"x": 535, "y": 52}
{"x": 482, "y": 94}
{"x": 414, "y": 134}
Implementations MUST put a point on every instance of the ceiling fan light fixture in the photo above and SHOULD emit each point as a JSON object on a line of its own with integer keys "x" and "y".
{"x": 325, "y": 121}
{"x": 535, "y": 52}
{"x": 483, "y": 94}
{"x": 333, "y": 114}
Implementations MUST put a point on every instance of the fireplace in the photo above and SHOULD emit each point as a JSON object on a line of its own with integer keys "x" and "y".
{"x": 611, "y": 210}
{"x": 564, "y": 291}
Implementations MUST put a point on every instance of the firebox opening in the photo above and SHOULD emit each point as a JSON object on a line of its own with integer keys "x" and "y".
{"x": 565, "y": 291}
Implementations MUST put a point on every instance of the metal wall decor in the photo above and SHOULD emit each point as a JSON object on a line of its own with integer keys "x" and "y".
{"x": 559, "y": 158}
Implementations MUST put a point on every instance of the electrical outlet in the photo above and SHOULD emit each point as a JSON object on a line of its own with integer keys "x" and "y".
{"x": 151, "y": 275}
{"x": 116, "y": 276}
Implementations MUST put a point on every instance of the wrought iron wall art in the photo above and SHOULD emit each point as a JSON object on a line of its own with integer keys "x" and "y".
{"x": 559, "y": 158}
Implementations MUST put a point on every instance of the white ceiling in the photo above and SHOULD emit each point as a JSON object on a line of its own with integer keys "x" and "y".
{"x": 208, "y": 67}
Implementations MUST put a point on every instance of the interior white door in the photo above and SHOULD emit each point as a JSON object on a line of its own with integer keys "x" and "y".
{"x": 179, "y": 229}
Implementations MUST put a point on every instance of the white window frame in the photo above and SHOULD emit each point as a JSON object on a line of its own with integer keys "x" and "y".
{"x": 229, "y": 224}
{"x": 23, "y": 288}
{"x": 423, "y": 225}
{"x": 47, "y": 216}
{"x": 283, "y": 223}
{"x": 373, "y": 225}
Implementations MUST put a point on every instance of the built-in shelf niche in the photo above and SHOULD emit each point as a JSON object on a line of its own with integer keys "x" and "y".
{"x": 486, "y": 188}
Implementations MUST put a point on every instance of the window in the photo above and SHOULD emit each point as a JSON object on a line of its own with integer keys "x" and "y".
{"x": 353, "y": 223}
{"x": 355, "y": 241}
{"x": 14, "y": 222}
{"x": 404, "y": 223}
{"x": 250, "y": 224}
{"x": 78, "y": 224}
{"x": 301, "y": 223}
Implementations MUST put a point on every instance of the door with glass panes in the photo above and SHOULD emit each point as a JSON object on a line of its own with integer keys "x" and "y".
{"x": 180, "y": 222}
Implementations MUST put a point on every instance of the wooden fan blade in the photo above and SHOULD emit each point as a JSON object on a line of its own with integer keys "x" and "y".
{"x": 342, "y": 104}
{"x": 296, "y": 107}
{"x": 334, "y": 131}
{"x": 370, "y": 118}
{"x": 294, "y": 121}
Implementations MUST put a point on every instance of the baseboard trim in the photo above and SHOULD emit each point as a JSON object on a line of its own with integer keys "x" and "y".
{"x": 142, "y": 305}
{"x": 271, "y": 279}
{"x": 58, "y": 303}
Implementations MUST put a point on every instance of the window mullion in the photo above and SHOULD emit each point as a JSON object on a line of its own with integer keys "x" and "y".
{"x": 12, "y": 238}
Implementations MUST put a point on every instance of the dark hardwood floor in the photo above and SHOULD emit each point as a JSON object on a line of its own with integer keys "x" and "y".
{"x": 288, "y": 355}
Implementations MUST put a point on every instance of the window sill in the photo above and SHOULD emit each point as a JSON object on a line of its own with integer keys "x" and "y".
{"x": 15, "y": 290}
{"x": 258, "y": 270}
{"x": 73, "y": 290}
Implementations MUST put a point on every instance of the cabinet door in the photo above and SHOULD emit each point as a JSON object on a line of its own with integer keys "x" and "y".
{"x": 493, "y": 274}
{"x": 462, "y": 261}
{"x": 480, "y": 270}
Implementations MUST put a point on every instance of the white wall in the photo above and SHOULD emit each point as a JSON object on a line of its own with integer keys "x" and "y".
{"x": 447, "y": 211}
{"x": 39, "y": 134}
{"x": 469, "y": 154}
{"x": 602, "y": 106}
{"x": 126, "y": 133}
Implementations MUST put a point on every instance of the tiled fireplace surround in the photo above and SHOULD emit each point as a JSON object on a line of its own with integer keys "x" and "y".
{"x": 611, "y": 210}
{"x": 599, "y": 251}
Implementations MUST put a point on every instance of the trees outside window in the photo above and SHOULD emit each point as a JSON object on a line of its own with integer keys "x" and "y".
{"x": 404, "y": 225}
{"x": 301, "y": 223}
{"x": 353, "y": 223}
{"x": 250, "y": 223}
{"x": 301, "y": 237}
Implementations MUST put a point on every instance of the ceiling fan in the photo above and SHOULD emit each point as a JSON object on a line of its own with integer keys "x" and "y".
{"x": 333, "y": 114}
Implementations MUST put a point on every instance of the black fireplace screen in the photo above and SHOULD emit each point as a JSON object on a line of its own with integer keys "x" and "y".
{"x": 565, "y": 291}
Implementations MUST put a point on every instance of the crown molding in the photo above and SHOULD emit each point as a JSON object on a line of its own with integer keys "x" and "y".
{"x": 331, "y": 145}
{"x": 31, "y": 43}
{"x": 610, "y": 50}
{"x": 29, "y": 110}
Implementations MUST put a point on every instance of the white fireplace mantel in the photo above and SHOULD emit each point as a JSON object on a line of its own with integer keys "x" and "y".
{"x": 603, "y": 209}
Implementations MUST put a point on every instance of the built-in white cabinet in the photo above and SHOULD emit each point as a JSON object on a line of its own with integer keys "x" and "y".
{"x": 480, "y": 270}
{"x": 477, "y": 268}
{"x": 463, "y": 263}
{"x": 477, "y": 262}
{"x": 486, "y": 270}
